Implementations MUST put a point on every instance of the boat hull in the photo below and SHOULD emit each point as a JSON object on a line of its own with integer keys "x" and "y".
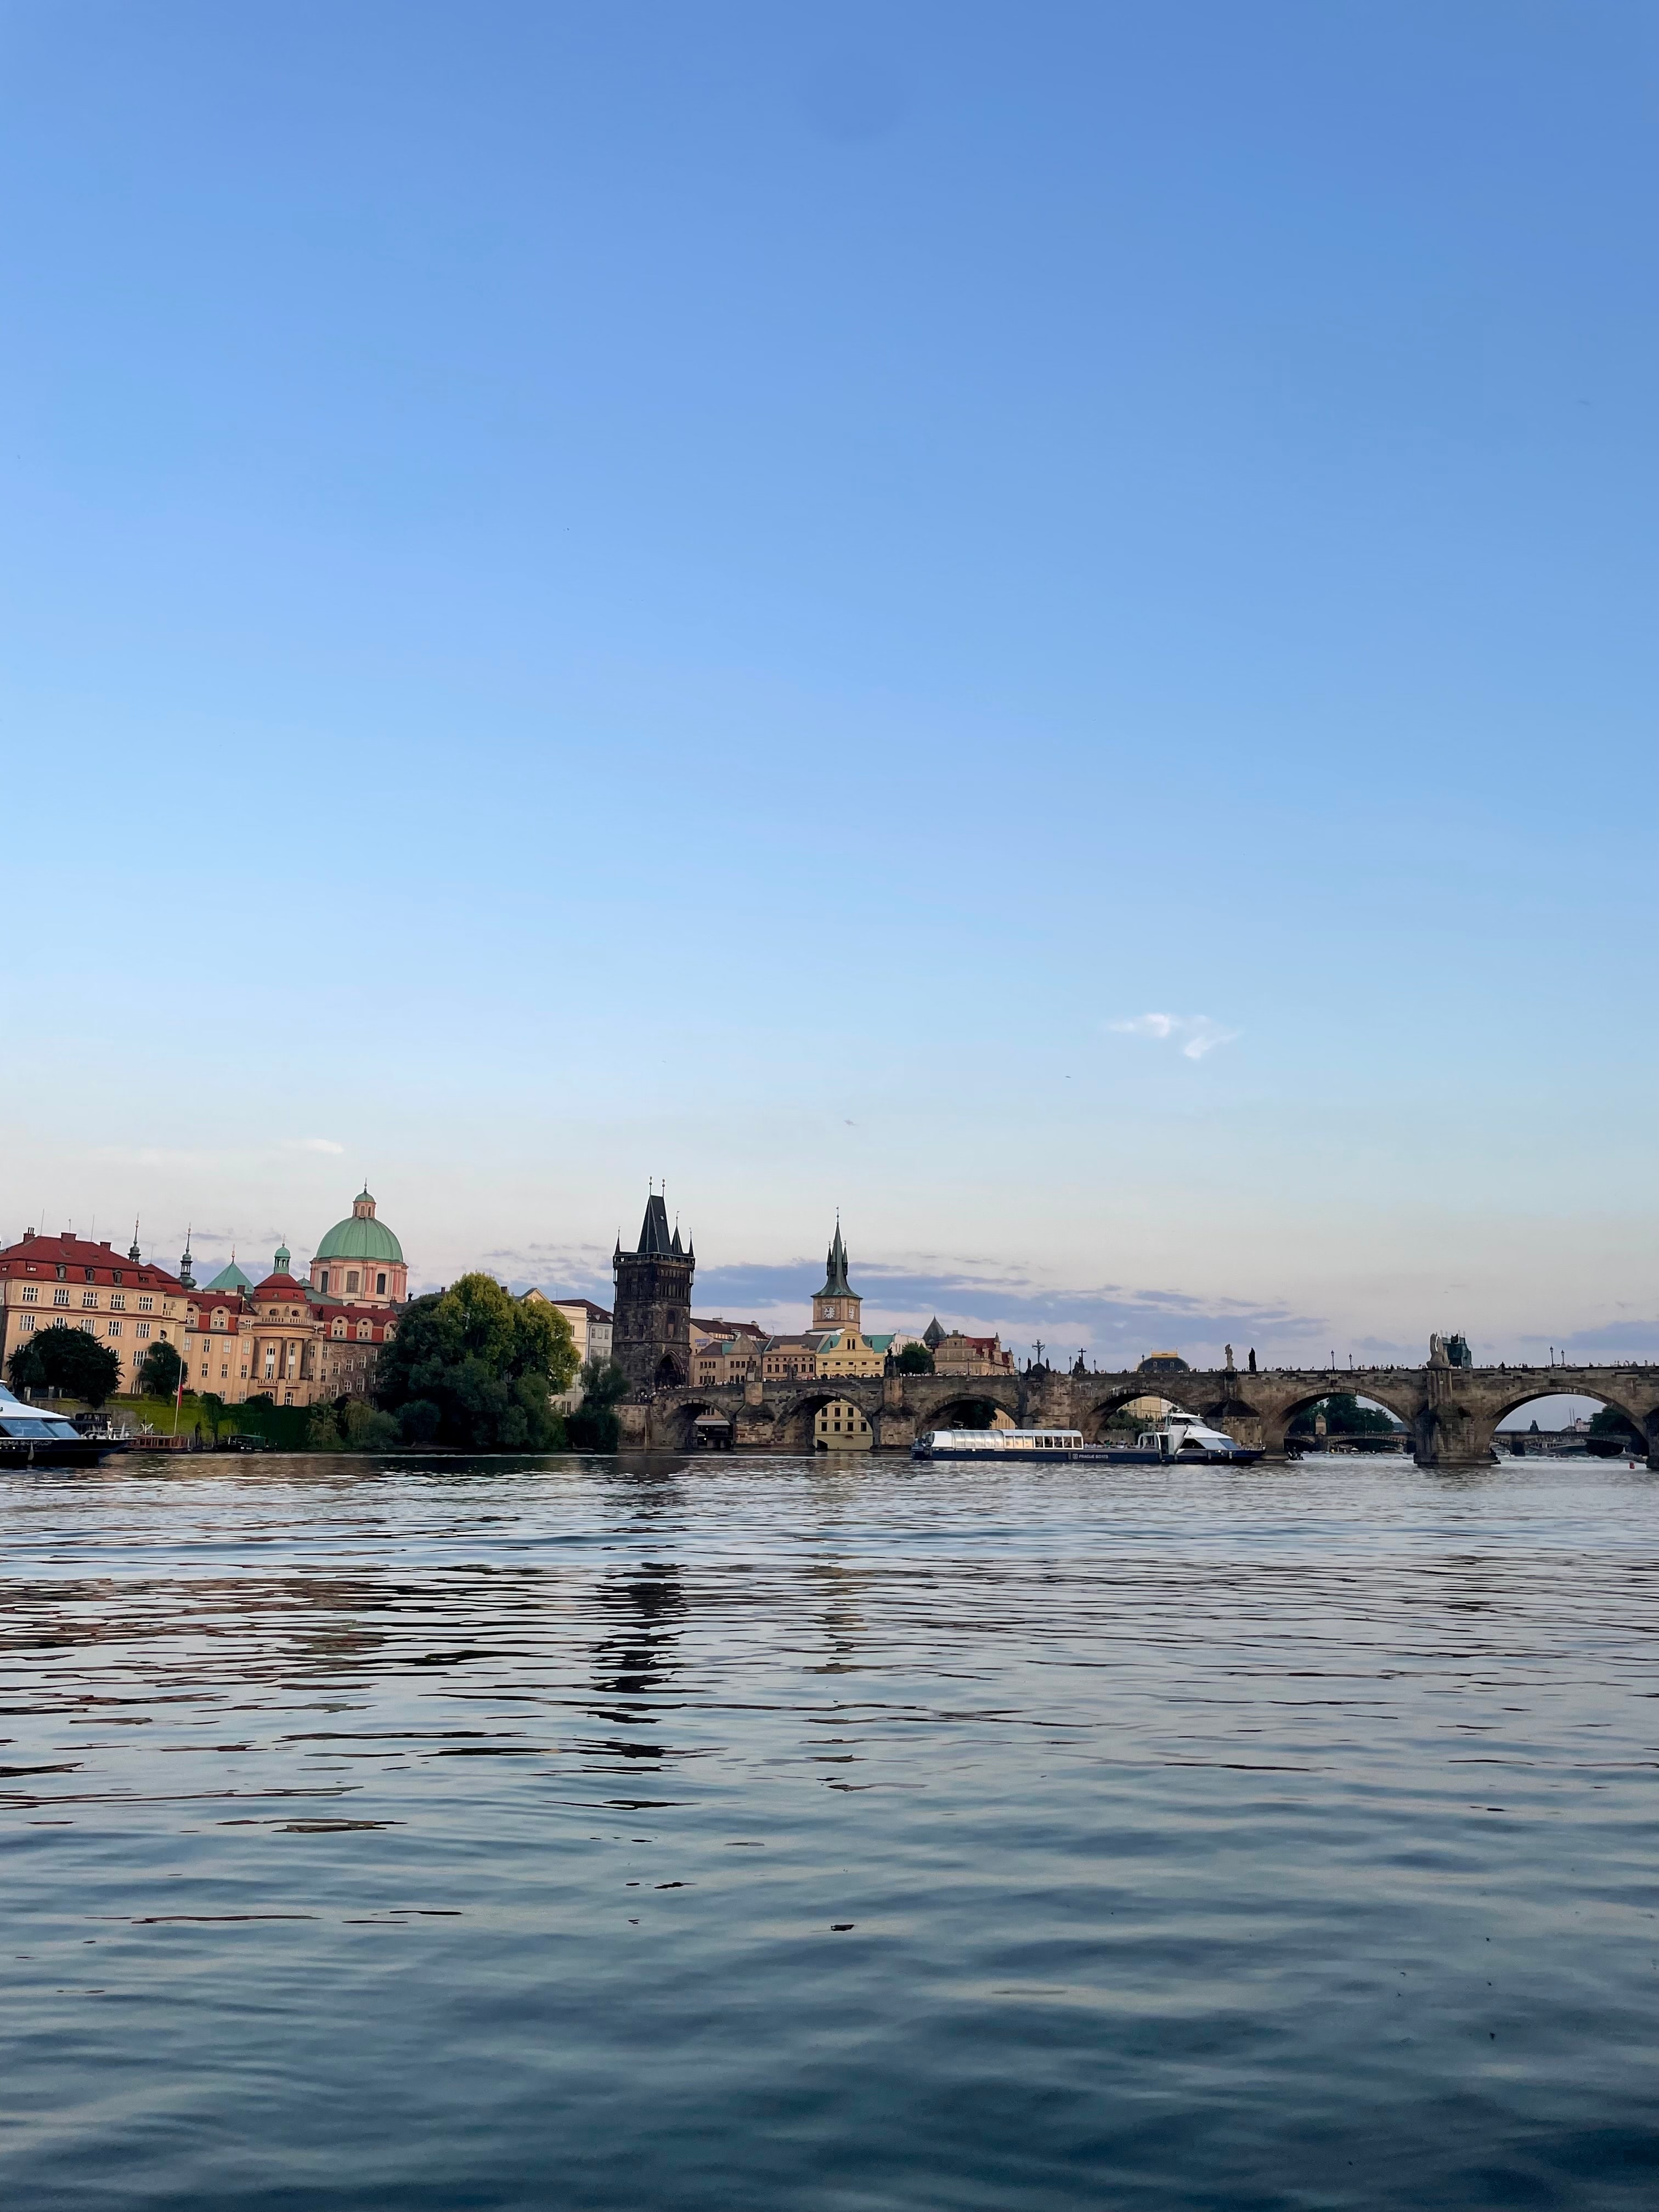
{"x": 1090, "y": 1455}
{"x": 22, "y": 1452}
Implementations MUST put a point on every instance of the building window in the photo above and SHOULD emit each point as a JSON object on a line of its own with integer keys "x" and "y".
{"x": 90, "y": 1327}
{"x": 141, "y": 1329}
{"x": 28, "y": 1323}
{"x": 270, "y": 1363}
{"x": 204, "y": 1371}
{"x": 113, "y": 1328}
{"x": 115, "y": 1276}
{"x": 60, "y": 1297}
{"x": 362, "y": 1332}
{"x": 144, "y": 1304}
{"x": 89, "y": 1297}
{"x": 63, "y": 1273}
{"x": 117, "y": 1301}
{"x": 322, "y": 1281}
{"x": 30, "y": 1294}
{"x": 351, "y": 1282}
{"x": 380, "y": 1286}
{"x": 219, "y": 1317}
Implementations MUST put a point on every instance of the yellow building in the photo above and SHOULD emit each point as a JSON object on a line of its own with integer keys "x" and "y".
{"x": 790, "y": 1359}
{"x": 128, "y": 1303}
{"x": 840, "y": 1426}
{"x": 718, "y": 1360}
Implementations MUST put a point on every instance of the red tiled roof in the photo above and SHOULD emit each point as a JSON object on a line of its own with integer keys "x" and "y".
{"x": 42, "y": 1254}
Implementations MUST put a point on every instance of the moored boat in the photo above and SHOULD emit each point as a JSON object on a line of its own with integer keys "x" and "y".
{"x": 1178, "y": 1438}
{"x": 34, "y": 1436}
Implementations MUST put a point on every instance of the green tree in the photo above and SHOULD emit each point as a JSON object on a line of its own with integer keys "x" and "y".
{"x": 1612, "y": 1434}
{"x": 158, "y": 1377}
{"x": 366, "y": 1430}
{"x": 66, "y": 1359}
{"x": 1344, "y": 1417}
{"x": 488, "y": 1363}
{"x": 323, "y": 1429}
{"x": 214, "y": 1407}
{"x": 914, "y": 1359}
{"x": 593, "y": 1426}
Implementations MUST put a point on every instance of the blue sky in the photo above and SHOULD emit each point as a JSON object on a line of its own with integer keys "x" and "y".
{"x": 742, "y": 594}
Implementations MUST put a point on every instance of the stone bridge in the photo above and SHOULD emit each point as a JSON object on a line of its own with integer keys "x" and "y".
{"x": 1450, "y": 1412}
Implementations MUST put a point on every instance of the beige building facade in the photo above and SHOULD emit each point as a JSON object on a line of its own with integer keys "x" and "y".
{"x": 127, "y": 1303}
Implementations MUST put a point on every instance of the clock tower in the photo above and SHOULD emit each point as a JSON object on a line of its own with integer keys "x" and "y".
{"x": 837, "y": 1305}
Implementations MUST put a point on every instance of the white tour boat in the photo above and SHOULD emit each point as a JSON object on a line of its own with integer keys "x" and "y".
{"x": 1178, "y": 1436}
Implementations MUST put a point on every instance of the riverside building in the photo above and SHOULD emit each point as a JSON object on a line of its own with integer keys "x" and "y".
{"x": 129, "y": 1303}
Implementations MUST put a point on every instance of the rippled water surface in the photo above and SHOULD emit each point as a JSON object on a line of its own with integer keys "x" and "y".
{"x": 655, "y": 1834}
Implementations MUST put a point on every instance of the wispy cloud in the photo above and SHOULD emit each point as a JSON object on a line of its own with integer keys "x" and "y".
{"x": 1195, "y": 1034}
{"x": 311, "y": 1145}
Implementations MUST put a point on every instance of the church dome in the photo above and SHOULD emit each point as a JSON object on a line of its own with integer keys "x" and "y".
{"x": 361, "y": 1236}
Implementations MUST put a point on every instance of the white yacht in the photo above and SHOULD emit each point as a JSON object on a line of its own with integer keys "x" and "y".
{"x": 34, "y": 1436}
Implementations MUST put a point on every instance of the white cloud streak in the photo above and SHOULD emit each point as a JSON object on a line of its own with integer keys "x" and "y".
{"x": 1195, "y": 1034}
{"x": 311, "y": 1145}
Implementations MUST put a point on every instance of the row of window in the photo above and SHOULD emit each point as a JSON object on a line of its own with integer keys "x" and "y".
{"x": 118, "y": 1299}
{"x": 354, "y": 1281}
{"x": 140, "y": 1328}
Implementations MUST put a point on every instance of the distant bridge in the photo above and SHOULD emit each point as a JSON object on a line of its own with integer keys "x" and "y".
{"x": 1451, "y": 1412}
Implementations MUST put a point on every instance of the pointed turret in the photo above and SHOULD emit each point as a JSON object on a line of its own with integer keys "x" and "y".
{"x": 837, "y": 1305}
{"x": 653, "y": 1230}
{"x": 836, "y": 1285}
{"x": 186, "y": 1265}
{"x": 133, "y": 1253}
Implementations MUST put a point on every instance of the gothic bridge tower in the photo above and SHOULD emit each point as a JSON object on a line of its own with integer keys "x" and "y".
{"x": 651, "y": 1334}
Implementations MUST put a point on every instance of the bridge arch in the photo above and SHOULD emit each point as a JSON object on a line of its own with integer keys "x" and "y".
{"x": 679, "y": 1420}
{"x": 966, "y": 1408}
{"x": 1109, "y": 1403}
{"x": 1402, "y": 1403}
{"x": 793, "y": 1429}
{"x": 1645, "y": 1423}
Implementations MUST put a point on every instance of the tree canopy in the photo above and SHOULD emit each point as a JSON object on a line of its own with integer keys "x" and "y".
{"x": 914, "y": 1359}
{"x": 66, "y": 1359}
{"x": 159, "y": 1374}
{"x": 473, "y": 1367}
{"x": 593, "y": 1426}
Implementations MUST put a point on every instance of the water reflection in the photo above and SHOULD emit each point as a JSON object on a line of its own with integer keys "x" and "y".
{"x": 1209, "y": 1839}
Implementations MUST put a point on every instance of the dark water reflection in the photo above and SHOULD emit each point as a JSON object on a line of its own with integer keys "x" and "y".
{"x": 758, "y": 1834}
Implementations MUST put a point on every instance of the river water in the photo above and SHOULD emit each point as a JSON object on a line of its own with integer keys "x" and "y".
{"x": 766, "y": 1833}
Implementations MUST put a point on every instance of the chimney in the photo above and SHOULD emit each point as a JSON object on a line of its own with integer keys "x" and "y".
{"x": 103, "y": 1244}
{"x": 29, "y": 1236}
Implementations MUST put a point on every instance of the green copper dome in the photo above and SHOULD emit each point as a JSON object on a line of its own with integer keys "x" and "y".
{"x": 361, "y": 1236}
